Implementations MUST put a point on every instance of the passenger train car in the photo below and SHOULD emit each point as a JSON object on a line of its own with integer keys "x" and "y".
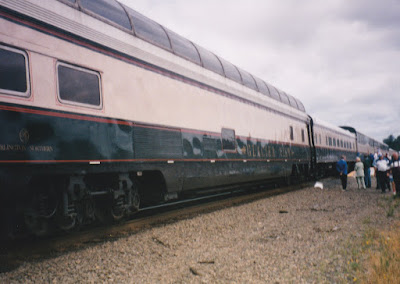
{"x": 104, "y": 110}
{"x": 367, "y": 145}
{"x": 331, "y": 142}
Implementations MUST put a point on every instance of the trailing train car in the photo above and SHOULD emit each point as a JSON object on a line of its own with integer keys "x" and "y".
{"x": 103, "y": 109}
{"x": 331, "y": 142}
{"x": 367, "y": 145}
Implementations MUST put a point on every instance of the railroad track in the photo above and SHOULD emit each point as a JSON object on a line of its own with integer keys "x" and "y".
{"x": 14, "y": 253}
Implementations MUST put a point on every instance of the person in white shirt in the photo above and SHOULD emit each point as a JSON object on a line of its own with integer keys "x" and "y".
{"x": 382, "y": 174}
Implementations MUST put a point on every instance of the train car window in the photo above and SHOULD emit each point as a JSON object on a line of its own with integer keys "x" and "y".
{"x": 108, "y": 9}
{"x": 228, "y": 139}
{"x": 262, "y": 88}
{"x": 14, "y": 74}
{"x": 303, "y": 139}
{"x": 183, "y": 47}
{"x": 231, "y": 72}
{"x": 293, "y": 102}
{"x": 300, "y": 105}
{"x": 148, "y": 30}
{"x": 291, "y": 133}
{"x": 274, "y": 93}
{"x": 78, "y": 85}
{"x": 284, "y": 98}
{"x": 248, "y": 80}
{"x": 210, "y": 60}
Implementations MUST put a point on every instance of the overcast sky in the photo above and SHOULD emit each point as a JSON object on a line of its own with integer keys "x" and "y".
{"x": 341, "y": 58}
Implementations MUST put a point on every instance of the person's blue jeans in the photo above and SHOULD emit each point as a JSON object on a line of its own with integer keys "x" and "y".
{"x": 367, "y": 178}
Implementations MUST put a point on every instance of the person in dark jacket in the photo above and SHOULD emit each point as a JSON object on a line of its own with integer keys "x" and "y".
{"x": 388, "y": 162}
{"x": 367, "y": 170}
{"x": 395, "y": 170}
{"x": 341, "y": 167}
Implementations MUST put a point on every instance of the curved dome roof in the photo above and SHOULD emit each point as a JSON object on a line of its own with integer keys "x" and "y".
{"x": 125, "y": 18}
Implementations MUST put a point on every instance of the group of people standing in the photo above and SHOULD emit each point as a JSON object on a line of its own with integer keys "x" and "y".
{"x": 387, "y": 170}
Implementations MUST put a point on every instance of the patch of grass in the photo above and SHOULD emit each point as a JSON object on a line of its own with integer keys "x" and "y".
{"x": 396, "y": 203}
{"x": 367, "y": 221}
{"x": 383, "y": 262}
{"x": 376, "y": 257}
{"x": 390, "y": 211}
{"x": 352, "y": 261}
{"x": 391, "y": 205}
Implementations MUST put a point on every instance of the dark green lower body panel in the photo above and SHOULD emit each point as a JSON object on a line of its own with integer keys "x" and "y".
{"x": 43, "y": 142}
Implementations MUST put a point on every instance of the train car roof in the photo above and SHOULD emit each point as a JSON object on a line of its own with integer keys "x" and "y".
{"x": 129, "y": 20}
{"x": 333, "y": 127}
{"x": 353, "y": 130}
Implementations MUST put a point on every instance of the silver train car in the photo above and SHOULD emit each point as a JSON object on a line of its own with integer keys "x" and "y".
{"x": 367, "y": 145}
{"x": 331, "y": 142}
{"x": 105, "y": 111}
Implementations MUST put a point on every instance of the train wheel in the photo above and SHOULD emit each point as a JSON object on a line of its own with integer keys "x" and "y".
{"x": 126, "y": 203}
{"x": 66, "y": 223}
{"x": 41, "y": 208}
{"x": 68, "y": 214}
{"x": 36, "y": 225}
{"x": 133, "y": 199}
{"x": 118, "y": 207}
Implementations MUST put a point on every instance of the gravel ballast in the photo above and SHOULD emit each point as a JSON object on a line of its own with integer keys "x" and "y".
{"x": 301, "y": 236}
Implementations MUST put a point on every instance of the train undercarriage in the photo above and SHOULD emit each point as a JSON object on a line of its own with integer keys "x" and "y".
{"x": 67, "y": 203}
{"x": 47, "y": 204}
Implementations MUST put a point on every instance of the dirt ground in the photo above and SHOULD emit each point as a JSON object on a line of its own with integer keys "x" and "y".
{"x": 299, "y": 237}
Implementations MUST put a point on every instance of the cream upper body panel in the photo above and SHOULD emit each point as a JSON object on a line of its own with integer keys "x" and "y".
{"x": 138, "y": 90}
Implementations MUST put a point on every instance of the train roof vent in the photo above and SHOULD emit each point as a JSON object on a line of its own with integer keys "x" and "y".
{"x": 210, "y": 60}
{"x": 183, "y": 47}
{"x": 262, "y": 88}
{"x": 148, "y": 30}
{"x": 110, "y": 10}
{"x": 248, "y": 79}
{"x": 231, "y": 72}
